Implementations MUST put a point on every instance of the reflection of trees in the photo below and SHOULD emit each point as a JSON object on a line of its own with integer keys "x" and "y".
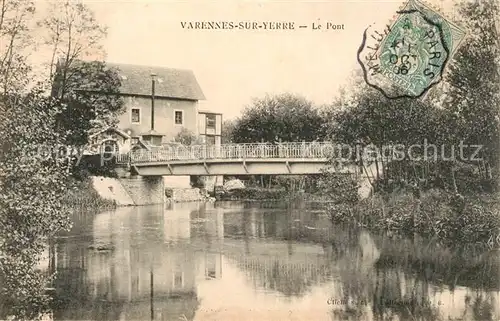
{"x": 384, "y": 278}
{"x": 401, "y": 283}
{"x": 353, "y": 254}
{"x": 440, "y": 265}
{"x": 483, "y": 306}
{"x": 291, "y": 277}
{"x": 75, "y": 297}
{"x": 392, "y": 301}
{"x": 282, "y": 223}
{"x": 297, "y": 265}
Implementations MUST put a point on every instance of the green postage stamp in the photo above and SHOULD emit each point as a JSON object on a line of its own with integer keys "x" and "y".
{"x": 409, "y": 56}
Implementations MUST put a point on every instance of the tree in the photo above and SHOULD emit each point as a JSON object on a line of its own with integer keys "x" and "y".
{"x": 88, "y": 90}
{"x": 372, "y": 125}
{"x": 15, "y": 39}
{"x": 34, "y": 168}
{"x": 187, "y": 137}
{"x": 473, "y": 83}
{"x": 73, "y": 34}
{"x": 91, "y": 102}
{"x": 33, "y": 180}
{"x": 284, "y": 117}
{"x": 228, "y": 127}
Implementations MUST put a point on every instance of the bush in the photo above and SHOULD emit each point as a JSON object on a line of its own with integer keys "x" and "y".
{"x": 340, "y": 188}
{"x": 255, "y": 193}
{"x": 31, "y": 209}
{"x": 449, "y": 217}
{"x": 83, "y": 194}
{"x": 187, "y": 137}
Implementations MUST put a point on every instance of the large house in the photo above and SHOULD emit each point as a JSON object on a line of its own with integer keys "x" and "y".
{"x": 174, "y": 93}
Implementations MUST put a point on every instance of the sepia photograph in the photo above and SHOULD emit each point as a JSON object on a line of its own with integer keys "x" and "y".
{"x": 254, "y": 160}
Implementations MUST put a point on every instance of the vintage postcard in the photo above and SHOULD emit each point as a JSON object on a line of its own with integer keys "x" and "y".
{"x": 250, "y": 160}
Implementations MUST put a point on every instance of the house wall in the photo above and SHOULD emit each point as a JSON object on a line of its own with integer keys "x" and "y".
{"x": 164, "y": 116}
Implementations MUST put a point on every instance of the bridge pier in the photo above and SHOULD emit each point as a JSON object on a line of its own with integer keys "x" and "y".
{"x": 212, "y": 182}
{"x": 145, "y": 190}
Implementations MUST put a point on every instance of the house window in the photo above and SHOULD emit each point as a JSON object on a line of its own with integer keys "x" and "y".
{"x": 210, "y": 121}
{"x": 136, "y": 115}
{"x": 210, "y": 140}
{"x": 178, "y": 279}
{"x": 179, "y": 117}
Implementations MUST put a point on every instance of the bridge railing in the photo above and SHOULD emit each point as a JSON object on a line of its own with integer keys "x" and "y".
{"x": 122, "y": 158}
{"x": 233, "y": 151}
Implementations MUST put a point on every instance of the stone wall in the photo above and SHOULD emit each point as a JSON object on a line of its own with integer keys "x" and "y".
{"x": 184, "y": 194}
{"x": 112, "y": 189}
{"x": 145, "y": 190}
{"x": 139, "y": 190}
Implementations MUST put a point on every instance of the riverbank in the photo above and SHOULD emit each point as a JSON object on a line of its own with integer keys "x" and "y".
{"x": 82, "y": 194}
{"x": 254, "y": 194}
{"x": 448, "y": 217}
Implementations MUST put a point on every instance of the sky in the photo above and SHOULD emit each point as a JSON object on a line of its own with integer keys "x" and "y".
{"x": 233, "y": 66}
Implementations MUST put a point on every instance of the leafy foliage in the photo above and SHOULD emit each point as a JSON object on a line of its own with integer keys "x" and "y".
{"x": 374, "y": 119}
{"x": 474, "y": 82}
{"x": 422, "y": 195}
{"x": 255, "y": 193}
{"x": 446, "y": 216}
{"x": 23, "y": 293}
{"x": 284, "y": 117}
{"x": 369, "y": 121}
{"x": 15, "y": 21}
{"x": 277, "y": 118}
{"x": 187, "y": 137}
{"x": 33, "y": 174}
{"x": 72, "y": 33}
{"x": 228, "y": 127}
{"x": 86, "y": 108}
{"x": 31, "y": 186}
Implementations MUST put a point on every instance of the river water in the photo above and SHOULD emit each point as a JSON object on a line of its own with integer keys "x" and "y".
{"x": 261, "y": 261}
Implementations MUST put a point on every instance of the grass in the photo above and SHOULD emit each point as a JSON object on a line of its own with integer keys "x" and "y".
{"x": 81, "y": 194}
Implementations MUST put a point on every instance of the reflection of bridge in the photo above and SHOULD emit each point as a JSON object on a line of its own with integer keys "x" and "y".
{"x": 234, "y": 159}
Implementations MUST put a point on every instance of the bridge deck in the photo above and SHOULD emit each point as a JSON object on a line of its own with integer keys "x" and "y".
{"x": 186, "y": 154}
{"x": 235, "y": 159}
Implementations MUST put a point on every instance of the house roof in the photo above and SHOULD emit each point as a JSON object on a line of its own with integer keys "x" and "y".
{"x": 152, "y": 132}
{"x": 143, "y": 144}
{"x": 118, "y": 131}
{"x": 170, "y": 83}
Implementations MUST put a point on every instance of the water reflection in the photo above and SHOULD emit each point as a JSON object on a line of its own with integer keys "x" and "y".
{"x": 260, "y": 262}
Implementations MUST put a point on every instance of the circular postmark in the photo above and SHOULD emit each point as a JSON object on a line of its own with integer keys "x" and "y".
{"x": 406, "y": 59}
